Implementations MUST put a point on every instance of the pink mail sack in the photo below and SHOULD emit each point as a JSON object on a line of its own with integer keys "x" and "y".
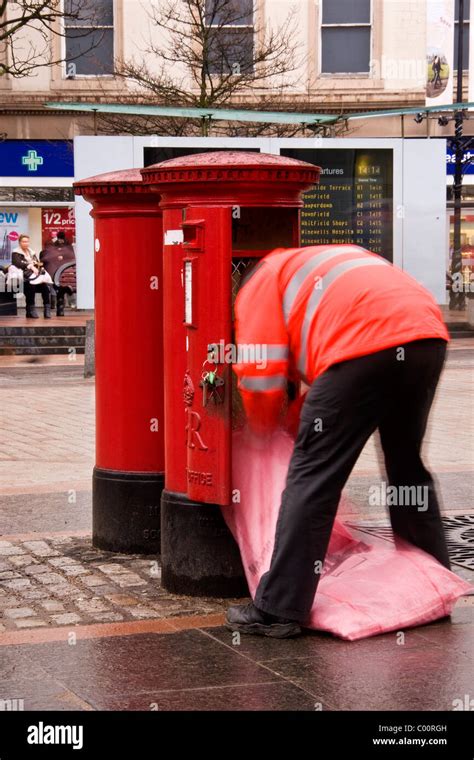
{"x": 365, "y": 588}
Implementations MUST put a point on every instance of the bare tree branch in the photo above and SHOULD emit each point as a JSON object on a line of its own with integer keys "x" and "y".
{"x": 211, "y": 53}
{"x": 28, "y": 27}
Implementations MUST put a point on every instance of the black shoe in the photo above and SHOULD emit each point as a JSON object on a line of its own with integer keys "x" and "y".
{"x": 47, "y": 312}
{"x": 31, "y": 313}
{"x": 246, "y": 618}
{"x": 60, "y": 311}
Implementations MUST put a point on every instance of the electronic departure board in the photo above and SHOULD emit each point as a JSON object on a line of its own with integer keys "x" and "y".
{"x": 353, "y": 202}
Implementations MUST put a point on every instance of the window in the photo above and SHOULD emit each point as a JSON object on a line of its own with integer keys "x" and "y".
{"x": 231, "y": 37}
{"x": 345, "y": 36}
{"x": 465, "y": 35}
{"x": 89, "y": 37}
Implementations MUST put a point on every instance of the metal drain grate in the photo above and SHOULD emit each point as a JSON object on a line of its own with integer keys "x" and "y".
{"x": 459, "y": 531}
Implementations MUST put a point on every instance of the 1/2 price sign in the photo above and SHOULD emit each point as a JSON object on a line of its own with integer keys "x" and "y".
{"x": 54, "y": 220}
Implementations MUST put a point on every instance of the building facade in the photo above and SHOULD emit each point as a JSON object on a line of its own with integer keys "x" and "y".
{"x": 351, "y": 55}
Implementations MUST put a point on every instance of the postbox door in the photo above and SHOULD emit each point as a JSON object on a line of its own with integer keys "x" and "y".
{"x": 207, "y": 314}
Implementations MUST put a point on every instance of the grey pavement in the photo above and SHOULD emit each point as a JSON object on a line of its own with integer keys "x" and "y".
{"x": 84, "y": 629}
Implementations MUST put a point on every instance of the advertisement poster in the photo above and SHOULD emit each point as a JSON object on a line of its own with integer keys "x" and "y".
{"x": 13, "y": 222}
{"x": 439, "y": 52}
{"x": 54, "y": 220}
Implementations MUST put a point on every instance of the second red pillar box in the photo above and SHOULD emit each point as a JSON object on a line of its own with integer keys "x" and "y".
{"x": 221, "y": 212}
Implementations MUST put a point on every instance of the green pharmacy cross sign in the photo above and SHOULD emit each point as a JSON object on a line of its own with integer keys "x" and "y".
{"x": 32, "y": 160}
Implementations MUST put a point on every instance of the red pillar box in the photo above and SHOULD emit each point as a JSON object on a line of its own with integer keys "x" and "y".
{"x": 221, "y": 211}
{"x": 129, "y": 473}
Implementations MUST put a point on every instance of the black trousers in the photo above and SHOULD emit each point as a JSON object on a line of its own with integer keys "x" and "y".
{"x": 59, "y": 292}
{"x": 391, "y": 390}
{"x": 30, "y": 291}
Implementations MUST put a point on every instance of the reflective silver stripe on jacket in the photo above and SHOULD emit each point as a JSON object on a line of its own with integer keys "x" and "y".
{"x": 318, "y": 293}
{"x": 246, "y": 352}
{"x": 294, "y": 285}
{"x": 265, "y": 383}
{"x": 277, "y": 352}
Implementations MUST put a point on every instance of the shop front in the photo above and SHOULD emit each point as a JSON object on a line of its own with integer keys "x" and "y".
{"x": 467, "y": 217}
{"x": 36, "y": 199}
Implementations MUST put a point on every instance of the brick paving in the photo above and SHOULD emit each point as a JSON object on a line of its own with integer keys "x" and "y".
{"x": 64, "y": 581}
{"x": 53, "y": 444}
{"x": 85, "y": 629}
{"x": 54, "y": 447}
{"x": 50, "y": 575}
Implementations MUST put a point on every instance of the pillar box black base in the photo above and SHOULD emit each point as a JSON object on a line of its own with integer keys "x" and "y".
{"x": 199, "y": 555}
{"x": 126, "y": 515}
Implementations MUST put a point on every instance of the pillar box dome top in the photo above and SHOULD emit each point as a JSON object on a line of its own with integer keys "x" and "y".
{"x": 231, "y": 178}
{"x": 113, "y": 186}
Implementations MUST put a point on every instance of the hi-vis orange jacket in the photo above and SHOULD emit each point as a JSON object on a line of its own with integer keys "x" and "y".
{"x": 302, "y": 310}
